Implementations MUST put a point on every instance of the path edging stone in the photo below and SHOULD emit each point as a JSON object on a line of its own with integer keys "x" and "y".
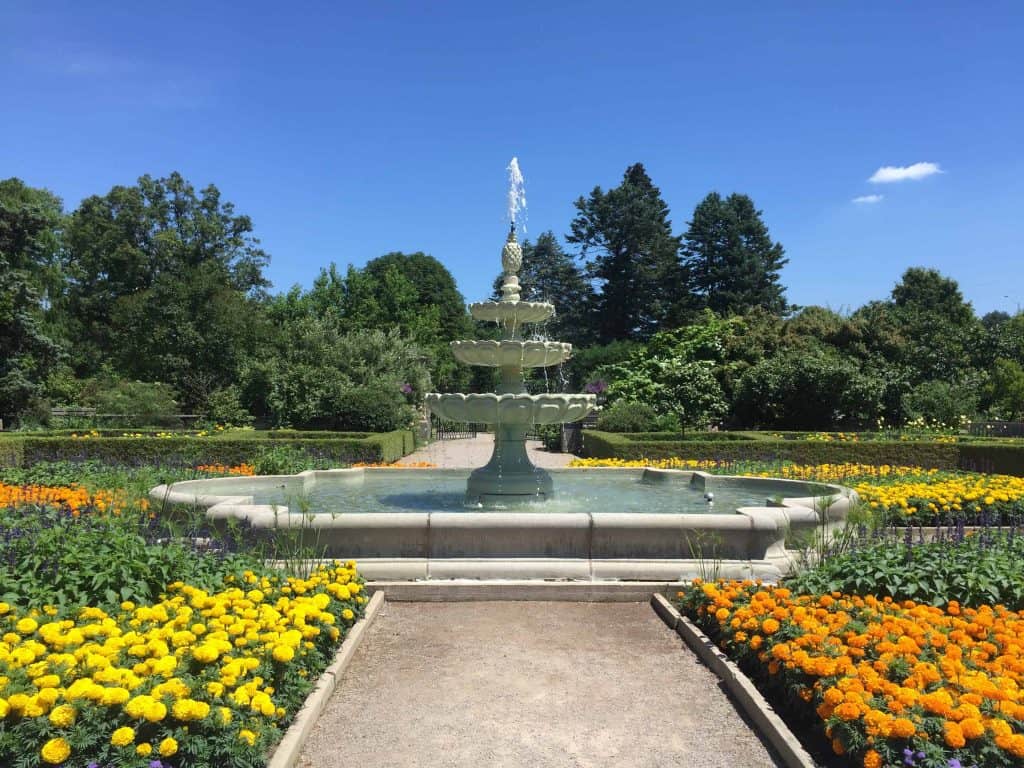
{"x": 286, "y": 754}
{"x": 740, "y": 687}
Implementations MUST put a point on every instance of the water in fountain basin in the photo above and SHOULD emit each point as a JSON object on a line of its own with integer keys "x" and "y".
{"x": 395, "y": 490}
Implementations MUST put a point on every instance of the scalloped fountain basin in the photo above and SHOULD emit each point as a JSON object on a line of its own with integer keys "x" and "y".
{"x": 519, "y": 409}
{"x": 525, "y": 354}
{"x": 637, "y": 524}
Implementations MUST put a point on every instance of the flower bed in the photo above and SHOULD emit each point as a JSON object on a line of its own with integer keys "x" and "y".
{"x": 196, "y": 679}
{"x": 889, "y": 683}
{"x": 898, "y": 494}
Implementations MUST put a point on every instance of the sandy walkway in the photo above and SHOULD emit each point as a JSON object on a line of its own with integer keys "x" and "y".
{"x": 476, "y": 451}
{"x": 528, "y": 684}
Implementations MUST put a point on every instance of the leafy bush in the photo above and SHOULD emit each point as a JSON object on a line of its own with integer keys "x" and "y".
{"x": 985, "y": 567}
{"x": 176, "y": 452}
{"x": 225, "y": 407}
{"x": 280, "y": 460}
{"x": 51, "y": 556}
{"x": 142, "y": 403}
{"x": 372, "y": 409}
{"x": 941, "y": 403}
{"x": 808, "y": 389}
{"x": 628, "y": 416}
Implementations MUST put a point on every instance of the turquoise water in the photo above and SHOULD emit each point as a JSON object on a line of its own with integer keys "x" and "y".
{"x": 575, "y": 491}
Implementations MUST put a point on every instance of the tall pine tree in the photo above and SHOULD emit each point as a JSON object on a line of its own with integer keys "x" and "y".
{"x": 633, "y": 256}
{"x": 733, "y": 264}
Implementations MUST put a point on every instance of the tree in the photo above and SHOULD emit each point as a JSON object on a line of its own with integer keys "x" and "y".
{"x": 732, "y": 263}
{"x": 808, "y": 389}
{"x": 943, "y": 339}
{"x": 1006, "y": 389}
{"x": 552, "y": 275}
{"x": 634, "y": 257}
{"x": 414, "y": 294}
{"x": 30, "y": 224}
{"x": 120, "y": 245}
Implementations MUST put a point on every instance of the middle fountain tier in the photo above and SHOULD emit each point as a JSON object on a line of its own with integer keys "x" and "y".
{"x": 510, "y": 477}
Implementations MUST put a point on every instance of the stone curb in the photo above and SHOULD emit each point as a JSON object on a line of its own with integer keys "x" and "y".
{"x": 286, "y": 755}
{"x": 739, "y": 686}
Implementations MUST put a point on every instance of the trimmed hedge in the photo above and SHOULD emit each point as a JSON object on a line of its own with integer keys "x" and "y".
{"x": 12, "y": 450}
{"x": 995, "y": 457}
{"x": 342, "y": 448}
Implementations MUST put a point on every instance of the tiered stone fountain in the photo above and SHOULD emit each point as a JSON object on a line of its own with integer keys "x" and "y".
{"x": 510, "y": 477}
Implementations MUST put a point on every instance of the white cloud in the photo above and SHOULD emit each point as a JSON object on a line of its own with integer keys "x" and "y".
{"x": 888, "y": 174}
{"x": 868, "y": 199}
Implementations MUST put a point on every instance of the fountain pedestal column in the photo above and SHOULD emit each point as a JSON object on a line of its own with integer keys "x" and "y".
{"x": 509, "y": 475}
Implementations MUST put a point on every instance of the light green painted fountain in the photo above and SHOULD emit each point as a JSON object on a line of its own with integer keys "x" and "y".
{"x": 510, "y": 476}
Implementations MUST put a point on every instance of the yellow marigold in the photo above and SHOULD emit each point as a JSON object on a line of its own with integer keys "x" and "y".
{"x": 144, "y": 749}
{"x": 168, "y": 747}
{"x": 27, "y": 626}
{"x": 247, "y": 736}
{"x": 283, "y": 653}
{"x": 122, "y": 737}
{"x": 63, "y": 716}
{"x": 55, "y": 751}
{"x": 872, "y": 759}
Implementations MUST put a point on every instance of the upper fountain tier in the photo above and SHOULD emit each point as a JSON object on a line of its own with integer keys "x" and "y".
{"x": 512, "y": 314}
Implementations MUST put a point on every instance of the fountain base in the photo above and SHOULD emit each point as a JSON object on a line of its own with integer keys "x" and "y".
{"x": 509, "y": 478}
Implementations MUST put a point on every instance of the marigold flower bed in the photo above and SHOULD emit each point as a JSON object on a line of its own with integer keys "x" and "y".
{"x": 74, "y": 498}
{"x": 900, "y": 494}
{"x": 890, "y": 684}
{"x": 197, "y": 679}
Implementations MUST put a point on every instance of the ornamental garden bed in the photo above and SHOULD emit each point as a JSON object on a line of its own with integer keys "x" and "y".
{"x": 124, "y": 644}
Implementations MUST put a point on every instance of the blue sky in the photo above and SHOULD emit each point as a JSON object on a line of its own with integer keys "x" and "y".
{"x": 347, "y": 130}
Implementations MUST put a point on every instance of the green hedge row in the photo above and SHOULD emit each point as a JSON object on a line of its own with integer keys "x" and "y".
{"x": 229, "y": 434}
{"x": 190, "y": 451}
{"x": 1002, "y": 458}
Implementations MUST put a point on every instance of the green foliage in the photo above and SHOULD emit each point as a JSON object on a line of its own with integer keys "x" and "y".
{"x": 941, "y": 403}
{"x": 190, "y": 451}
{"x": 49, "y": 557}
{"x": 324, "y": 378}
{"x": 627, "y": 416}
{"x": 161, "y": 280}
{"x": 627, "y": 236}
{"x": 732, "y": 262}
{"x": 143, "y": 403}
{"x": 280, "y": 460}
{"x": 986, "y": 568}
{"x": 1006, "y": 389}
{"x": 674, "y": 374}
{"x": 812, "y": 389}
{"x": 224, "y": 406}
{"x": 373, "y": 410}
{"x": 12, "y": 451}
{"x": 30, "y": 220}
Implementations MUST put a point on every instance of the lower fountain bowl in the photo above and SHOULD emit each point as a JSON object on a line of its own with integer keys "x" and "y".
{"x": 629, "y": 524}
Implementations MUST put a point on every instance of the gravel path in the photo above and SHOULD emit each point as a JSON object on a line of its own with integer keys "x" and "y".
{"x": 528, "y": 684}
{"x": 476, "y": 451}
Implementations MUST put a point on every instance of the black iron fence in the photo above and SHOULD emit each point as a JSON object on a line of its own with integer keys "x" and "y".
{"x": 997, "y": 428}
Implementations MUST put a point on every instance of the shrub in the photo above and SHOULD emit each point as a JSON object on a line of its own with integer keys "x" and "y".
{"x": 225, "y": 407}
{"x": 239, "y": 448}
{"x": 628, "y": 416}
{"x": 142, "y": 403}
{"x": 940, "y": 403}
{"x": 372, "y": 409}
